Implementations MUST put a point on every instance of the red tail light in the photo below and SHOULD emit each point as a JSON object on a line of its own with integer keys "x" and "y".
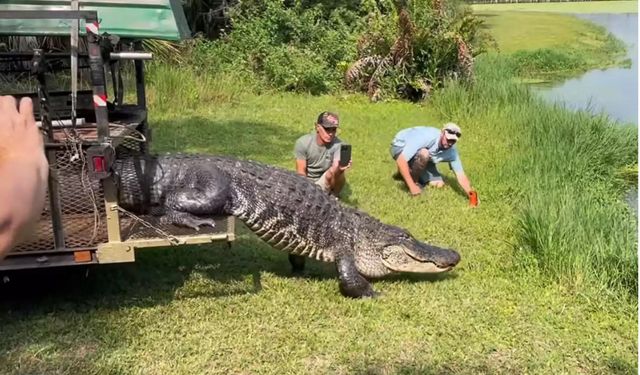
{"x": 100, "y": 160}
{"x": 99, "y": 164}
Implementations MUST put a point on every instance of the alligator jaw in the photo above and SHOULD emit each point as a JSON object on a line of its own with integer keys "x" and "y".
{"x": 419, "y": 258}
{"x": 416, "y": 267}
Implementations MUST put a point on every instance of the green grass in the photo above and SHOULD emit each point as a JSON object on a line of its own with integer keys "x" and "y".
{"x": 547, "y": 282}
{"x": 551, "y": 46}
{"x": 566, "y": 174}
{"x": 529, "y": 31}
{"x": 211, "y": 309}
{"x": 564, "y": 7}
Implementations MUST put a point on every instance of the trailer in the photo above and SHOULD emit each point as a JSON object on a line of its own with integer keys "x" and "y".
{"x": 97, "y": 117}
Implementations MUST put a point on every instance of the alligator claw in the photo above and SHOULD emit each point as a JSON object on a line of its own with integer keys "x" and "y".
{"x": 188, "y": 221}
{"x": 204, "y": 222}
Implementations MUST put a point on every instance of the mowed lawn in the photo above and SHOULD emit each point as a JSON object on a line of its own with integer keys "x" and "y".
{"x": 214, "y": 309}
{"x": 564, "y": 7}
{"x": 527, "y": 30}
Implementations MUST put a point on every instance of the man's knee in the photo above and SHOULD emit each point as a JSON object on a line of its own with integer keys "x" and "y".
{"x": 423, "y": 153}
{"x": 324, "y": 185}
{"x": 420, "y": 162}
{"x": 436, "y": 184}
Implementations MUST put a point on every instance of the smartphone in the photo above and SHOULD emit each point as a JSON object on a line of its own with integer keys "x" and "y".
{"x": 345, "y": 154}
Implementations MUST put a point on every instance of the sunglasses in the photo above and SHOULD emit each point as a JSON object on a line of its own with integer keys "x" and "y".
{"x": 458, "y": 134}
{"x": 330, "y": 130}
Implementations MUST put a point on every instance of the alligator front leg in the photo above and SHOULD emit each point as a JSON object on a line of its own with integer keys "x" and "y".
{"x": 352, "y": 284}
{"x": 183, "y": 205}
{"x": 186, "y": 219}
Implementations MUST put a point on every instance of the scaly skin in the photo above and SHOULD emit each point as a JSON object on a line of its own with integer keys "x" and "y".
{"x": 284, "y": 209}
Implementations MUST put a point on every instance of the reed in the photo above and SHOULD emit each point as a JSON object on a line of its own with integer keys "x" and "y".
{"x": 565, "y": 174}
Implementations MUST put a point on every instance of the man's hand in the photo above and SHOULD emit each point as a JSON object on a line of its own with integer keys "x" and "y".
{"x": 414, "y": 189}
{"x": 20, "y": 138}
{"x": 474, "y": 201}
{"x": 342, "y": 169}
{"x": 23, "y": 172}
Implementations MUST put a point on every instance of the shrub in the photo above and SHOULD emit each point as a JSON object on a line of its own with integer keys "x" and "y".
{"x": 422, "y": 45}
{"x": 296, "y": 48}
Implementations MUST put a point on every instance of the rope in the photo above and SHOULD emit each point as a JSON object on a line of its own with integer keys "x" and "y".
{"x": 169, "y": 237}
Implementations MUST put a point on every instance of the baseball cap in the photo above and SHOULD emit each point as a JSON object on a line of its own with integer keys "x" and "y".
{"x": 328, "y": 120}
{"x": 452, "y": 131}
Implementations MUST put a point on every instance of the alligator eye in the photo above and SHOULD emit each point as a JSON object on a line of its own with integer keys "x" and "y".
{"x": 387, "y": 251}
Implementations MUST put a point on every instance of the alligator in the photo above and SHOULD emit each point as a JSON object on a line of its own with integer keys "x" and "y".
{"x": 287, "y": 210}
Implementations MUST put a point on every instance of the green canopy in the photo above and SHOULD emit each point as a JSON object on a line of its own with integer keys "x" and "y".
{"x": 142, "y": 19}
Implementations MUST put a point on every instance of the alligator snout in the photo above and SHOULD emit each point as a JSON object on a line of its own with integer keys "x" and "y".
{"x": 447, "y": 258}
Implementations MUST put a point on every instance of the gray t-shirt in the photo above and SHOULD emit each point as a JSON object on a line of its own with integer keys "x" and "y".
{"x": 319, "y": 158}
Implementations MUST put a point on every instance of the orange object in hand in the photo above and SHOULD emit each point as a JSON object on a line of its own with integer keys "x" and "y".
{"x": 473, "y": 198}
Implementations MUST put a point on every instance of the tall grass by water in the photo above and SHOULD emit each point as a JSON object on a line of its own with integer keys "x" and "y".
{"x": 564, "y": 176}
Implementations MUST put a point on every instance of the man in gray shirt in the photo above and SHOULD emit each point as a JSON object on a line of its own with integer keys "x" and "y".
{"x": 317, "y": 154}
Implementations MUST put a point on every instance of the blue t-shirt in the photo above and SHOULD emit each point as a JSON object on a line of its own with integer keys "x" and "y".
{"x": 409, "y": 141}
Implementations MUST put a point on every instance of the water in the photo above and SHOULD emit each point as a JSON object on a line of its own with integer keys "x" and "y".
{"x": 612, "y": 91}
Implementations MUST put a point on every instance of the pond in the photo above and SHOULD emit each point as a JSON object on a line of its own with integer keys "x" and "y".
{"x": 613, "y": 91}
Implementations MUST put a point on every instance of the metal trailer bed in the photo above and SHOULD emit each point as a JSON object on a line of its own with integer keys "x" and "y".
{"x": 84, "y": 131}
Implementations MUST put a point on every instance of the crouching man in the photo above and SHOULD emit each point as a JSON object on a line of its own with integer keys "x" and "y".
{"x": 416, "y": 152}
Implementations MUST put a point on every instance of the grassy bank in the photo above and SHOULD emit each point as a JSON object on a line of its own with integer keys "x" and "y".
{"x": 506, "y": 309}
{"x": 551, "y": 46}
{"x": 564, "y": 7}
{"x": 565, "y": 178}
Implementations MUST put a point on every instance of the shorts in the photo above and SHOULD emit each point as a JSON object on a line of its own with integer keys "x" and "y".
{"x": 322, "y": 182}
{"x": 430, "y": 173}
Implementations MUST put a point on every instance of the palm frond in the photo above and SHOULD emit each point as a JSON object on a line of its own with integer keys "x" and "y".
{"x": 402, "y": 49}
{"x": 373, "y": 87}
{"x": 358, "y": 69}
{"x": 166, "y": 51}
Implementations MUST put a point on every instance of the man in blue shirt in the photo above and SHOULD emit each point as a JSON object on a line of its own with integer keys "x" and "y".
{"x": 417, "y": 150}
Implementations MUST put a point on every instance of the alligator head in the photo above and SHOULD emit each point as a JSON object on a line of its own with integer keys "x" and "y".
{"x": 418, "y": 257}
{"x": 396, "y": 250}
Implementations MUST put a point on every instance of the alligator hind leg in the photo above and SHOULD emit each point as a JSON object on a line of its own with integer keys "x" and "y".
{"x": 297, "y": 263}
{"x": 184, "y": 204}
{"x": 352, "y": 284}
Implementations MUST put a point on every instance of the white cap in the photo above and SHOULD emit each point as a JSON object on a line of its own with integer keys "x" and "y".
{"x": 452, "y": 131}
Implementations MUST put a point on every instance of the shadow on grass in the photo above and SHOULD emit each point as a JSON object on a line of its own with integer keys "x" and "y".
{"x": 449, "y": 181}
{"x": 454, "y": 185}
{"x": 156, "y": 277}
{"x": 159, "y": 276}
{"x": 68, "y": 310}
{"x": 489, "y": 365}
